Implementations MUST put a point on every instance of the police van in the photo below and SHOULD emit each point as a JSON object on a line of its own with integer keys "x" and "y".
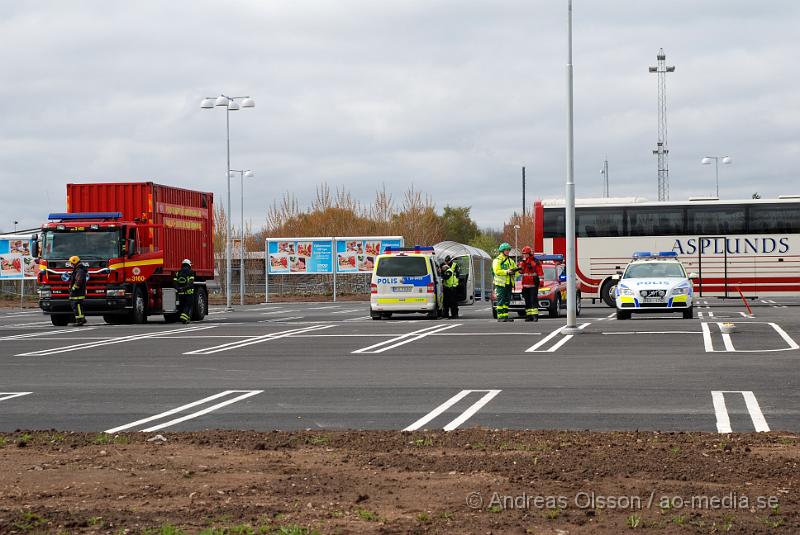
{"x": 406, "y": 280}
{"x": 654, "y": 283}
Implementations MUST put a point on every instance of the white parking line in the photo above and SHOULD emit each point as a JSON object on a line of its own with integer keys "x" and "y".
{"x": 466, "y": 415}
{"x": 245, "y": 394}
{"x": 45, "y": 333}
{"x": 348, "y": 311}
{"x": 404, "y": 339}
{"x": 15, "y": 325}
{"x": 727, "y": 340}
{"x": 278, "y": 320}
{"x": 535, "y": 348}
{"x": 721, "y": 411}
{"x": 255, "y": 340}
{"x": 8, "y": 395}
{"x": 362, "y": 318}
{"x": 110, "y": 341}
{"x": 279, "y": 311}
{"x": 324, "y": 308}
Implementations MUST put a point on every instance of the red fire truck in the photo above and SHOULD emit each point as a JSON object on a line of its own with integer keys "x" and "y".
{"x": 133, "y": 237}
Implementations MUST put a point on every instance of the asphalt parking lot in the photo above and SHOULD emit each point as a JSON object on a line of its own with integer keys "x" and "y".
{"x": 329, "y": 366}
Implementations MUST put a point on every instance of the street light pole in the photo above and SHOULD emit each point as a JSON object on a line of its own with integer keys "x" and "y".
{"x": 242, "y": 174}
{"x": 707, "y": 160}
{"x": 516, "y": 244}
{"x": 230, "y": 105}
{"x": 572, "y": 321}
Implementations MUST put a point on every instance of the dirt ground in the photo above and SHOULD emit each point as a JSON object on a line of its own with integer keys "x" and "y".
{"x": 466, "y": 481}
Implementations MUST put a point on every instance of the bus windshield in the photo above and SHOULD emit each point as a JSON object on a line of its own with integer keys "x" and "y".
{"x": 653, "y": 270}
{"x": 89, "y": 245}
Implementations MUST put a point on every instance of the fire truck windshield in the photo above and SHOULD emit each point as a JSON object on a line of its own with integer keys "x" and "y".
{"x": 91, "y": 244}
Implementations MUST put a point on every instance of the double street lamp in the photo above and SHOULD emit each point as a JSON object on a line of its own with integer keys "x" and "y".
{"x": 707, "y": 161}
{"x": 231, "y": 104}
{"x": 243, "y": 173}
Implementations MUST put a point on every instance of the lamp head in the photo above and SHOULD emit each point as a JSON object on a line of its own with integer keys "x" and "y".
{"x": 727, "y": 159}
{"x": 248, "y": 103}
{"x": 221, "y": 101}
{"x": 233, "y": 105}
{"x": 249, "y": 174}
{"x": 705, "y": 161}
{"x": 207, "y": 103}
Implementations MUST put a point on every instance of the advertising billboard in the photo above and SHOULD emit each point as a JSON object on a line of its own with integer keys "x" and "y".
{"x": 16, "y": 261}
{"x": 357, "y": 255}
{"x": 310, "y": 256}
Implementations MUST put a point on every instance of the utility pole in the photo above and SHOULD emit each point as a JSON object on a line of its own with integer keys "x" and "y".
{"x": 523, "y": 193}
{"x": 604, "y": 172}
{"x": 662, "y": 152}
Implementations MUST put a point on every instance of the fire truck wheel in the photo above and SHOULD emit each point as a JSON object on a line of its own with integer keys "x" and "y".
{"x": 200, "y": 304}
{"x": 138, "y": 314}
{"x": 60, "y": 320}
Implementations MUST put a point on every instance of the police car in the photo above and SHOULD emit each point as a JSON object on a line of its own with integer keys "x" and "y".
{"x": 406, "y": 280}
{"x": 654, "y": 283}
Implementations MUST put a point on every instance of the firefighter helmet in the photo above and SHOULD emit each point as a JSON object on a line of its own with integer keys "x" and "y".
{"x": 74, "y": 260}
{"x": 526, "y": 250}
{"x": 186, "y": 262}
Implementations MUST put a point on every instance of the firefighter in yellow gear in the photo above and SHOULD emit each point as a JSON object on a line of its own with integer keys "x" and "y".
{"x": 183, "y": 282}
{"x": 77, "y": 288}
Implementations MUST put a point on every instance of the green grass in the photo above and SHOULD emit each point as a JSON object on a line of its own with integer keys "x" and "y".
{"x": 165, "y": 529}
{"x": 552, "y": 514}
{"x": 318, "y": 440}
{"x": 495, "y": 509}
{"x": 369, "y": 516}
{"x": 633, "y": 521}
{"x": 3, "y": 441}
{"x": 25, "y": 438}
{"x": 424, "y": 517}
{"x": 94, "y": 520}
{"x": 29, "y": 521}
{"x": 423, "y": 442}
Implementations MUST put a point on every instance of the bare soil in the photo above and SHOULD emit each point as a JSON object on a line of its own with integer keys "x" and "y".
{"x": 466, "y": 481}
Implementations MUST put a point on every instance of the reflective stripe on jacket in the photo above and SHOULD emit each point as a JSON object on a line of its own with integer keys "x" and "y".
{"x": 450, "y": 277}
{"x": 530, "y": 269}
{"x": 183, "y": 282}
{"x": 500, "y": 267}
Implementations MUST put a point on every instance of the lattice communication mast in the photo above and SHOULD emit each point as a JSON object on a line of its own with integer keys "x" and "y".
{"x": 662, "y": 152}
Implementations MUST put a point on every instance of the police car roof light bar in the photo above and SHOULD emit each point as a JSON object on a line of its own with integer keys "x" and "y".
{"x": 416, "y": 249}
{"x": 668, "y": 254}
{"x": 642, "y": 254}
{"x": 549, "y": 257}
{"x": 85, "y": 215}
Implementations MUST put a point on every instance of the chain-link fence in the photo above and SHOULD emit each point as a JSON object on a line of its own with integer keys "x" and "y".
{"x": 19, "y": 292}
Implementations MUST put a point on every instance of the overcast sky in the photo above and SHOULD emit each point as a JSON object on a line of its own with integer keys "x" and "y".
{"x": 451, "y": 96}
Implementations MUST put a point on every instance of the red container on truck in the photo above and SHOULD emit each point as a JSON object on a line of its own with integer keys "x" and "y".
{"x": 133, "y": 236}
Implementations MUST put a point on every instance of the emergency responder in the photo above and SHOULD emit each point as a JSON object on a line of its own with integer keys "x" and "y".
{"x": 183, "y": 282}
{"x": 532, "y": 274}
{"x": 449, "y": 272}
{"x": 504, "y": 269}
{"x": 77, "y": 288}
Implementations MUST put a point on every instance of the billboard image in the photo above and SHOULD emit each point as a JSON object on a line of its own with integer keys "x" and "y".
{"x": 300, "y": 255}
{"x": 16, "y": 261}
{"x": 357, "y": 255}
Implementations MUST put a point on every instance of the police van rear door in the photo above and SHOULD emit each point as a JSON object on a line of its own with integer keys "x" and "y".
{"x": 405, "y": 278}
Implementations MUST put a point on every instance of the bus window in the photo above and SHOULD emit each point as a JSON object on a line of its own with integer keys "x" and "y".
{"x": 772, "y": 218}
{"x": 716, "y": 220}
{"x": 554, "y": 223}
{"x": 655, "y": 221}
{"x": 598, "y": 222}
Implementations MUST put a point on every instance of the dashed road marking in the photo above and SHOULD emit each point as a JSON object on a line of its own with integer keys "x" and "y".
{"x": 324, "y": 308}
{"x": 348, "y": 311}
{"x": 45, "y": 333}
{"x": 466, "y": 415}
{"x": 279, "y": 311}
{"x": 111, "y": 341}
{"x": 543, "y": 342}
{"x": 244, "y": 395}
{"x": 278, "y": 320}
{"x": 8, "y": 395}
{"x": 721, "y": 411}
{"x": 404, "y": 339}
{"x": 256, "y": 340}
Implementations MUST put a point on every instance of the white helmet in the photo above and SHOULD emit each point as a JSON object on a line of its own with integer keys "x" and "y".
{"x": 186, "y": 261}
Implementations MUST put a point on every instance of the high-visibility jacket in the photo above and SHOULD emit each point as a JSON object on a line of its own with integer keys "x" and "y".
{"x": 530, "y": 269}
{"x": 183, "y": 281}
{"x": 501, "y": 267}
{"x": 450, "y": 277}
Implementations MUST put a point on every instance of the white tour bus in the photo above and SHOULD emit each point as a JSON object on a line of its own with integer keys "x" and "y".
{"x": 751, "y": 246}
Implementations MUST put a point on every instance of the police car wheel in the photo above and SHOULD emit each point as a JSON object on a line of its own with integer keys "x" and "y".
{"x": 607, "y": 293}
{"x": 688, "y": 314}
{"x": 623, "y": 314}
{"x": 494, "y": 312}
